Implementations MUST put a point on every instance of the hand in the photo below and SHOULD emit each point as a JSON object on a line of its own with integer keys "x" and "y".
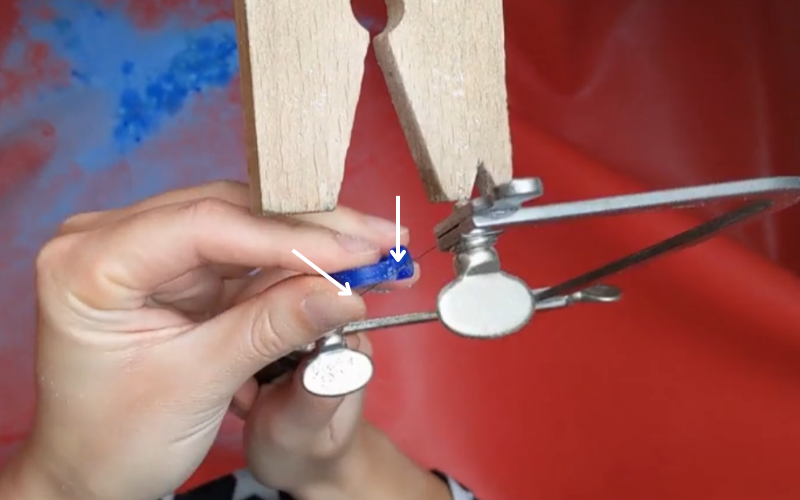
{"x": 318, "y": 448}
{"x": 300, "y": 443}
{"x": 150, "y": 321}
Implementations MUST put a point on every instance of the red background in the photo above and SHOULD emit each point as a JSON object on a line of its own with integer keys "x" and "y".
{"x": 689, "y": 387}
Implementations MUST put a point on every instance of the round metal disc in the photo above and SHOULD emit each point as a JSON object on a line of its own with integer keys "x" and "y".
{"x": 485, "y": 305}
{"x": 337, "y": 372}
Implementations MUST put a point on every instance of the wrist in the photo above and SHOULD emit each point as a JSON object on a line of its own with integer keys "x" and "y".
{"x": 375, "y": 469}
{"x": 27, "y": 477}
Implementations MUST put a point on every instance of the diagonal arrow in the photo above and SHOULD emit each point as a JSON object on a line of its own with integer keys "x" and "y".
{"x": 345, "y": 289}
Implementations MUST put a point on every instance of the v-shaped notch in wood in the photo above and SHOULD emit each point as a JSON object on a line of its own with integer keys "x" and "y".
{"x": 301, "y": 69}
{"x": 444, "y": 63}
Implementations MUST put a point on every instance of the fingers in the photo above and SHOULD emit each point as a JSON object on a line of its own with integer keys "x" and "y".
{"x": 305, "y": 413}
{"x": 245, "y": 338}
{"x": 287, "y": 413}
{"x": 197, "y": 294}
{"x": 207, "y": 281}
{"x": 361, "y": 342}
{"x": 240, "y": 291}
{"x": 302, "y": 413}
{"x": 244, "y": 399}
{"x": 379, "y": 232}
{"x": 118, "y": 265}
{"x": 372, "y": 230}
{"x": 237, "y": 292}
{"x": 232, "y": 192}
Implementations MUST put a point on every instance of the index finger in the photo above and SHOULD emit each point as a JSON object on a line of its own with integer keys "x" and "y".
{"x": 118, "y": 265}
{"x": 233, "y": 192}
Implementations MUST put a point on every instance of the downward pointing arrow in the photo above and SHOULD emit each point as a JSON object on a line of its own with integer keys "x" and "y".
{"x": 397, "y": 253}
{"x": 345, "y": 290}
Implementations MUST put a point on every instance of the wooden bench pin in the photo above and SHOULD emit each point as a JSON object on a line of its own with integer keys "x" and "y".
{"x": 302, "y": 64}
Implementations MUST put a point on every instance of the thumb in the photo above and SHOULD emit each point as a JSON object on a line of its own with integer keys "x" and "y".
{"x": 287, "y": 400}
{"x": 289, "y": 416}
{"x": 297, "y": 413}
{"x": 304, "y": 410}
{"x": 290, "y": 315}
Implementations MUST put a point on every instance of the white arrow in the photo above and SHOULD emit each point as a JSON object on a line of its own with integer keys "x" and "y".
{"x": 397, "y": 253}
{"x": 345, "y": 290}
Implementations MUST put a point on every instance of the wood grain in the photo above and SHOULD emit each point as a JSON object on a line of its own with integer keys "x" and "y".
{"x": 302, "y": 65}
{"x": 444, "y": 63}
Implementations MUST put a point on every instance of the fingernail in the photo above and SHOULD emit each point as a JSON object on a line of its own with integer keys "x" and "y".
{"x": 327, "y": 311}
{"x": 355, "y": 245}
{"x": 383, "y": 225}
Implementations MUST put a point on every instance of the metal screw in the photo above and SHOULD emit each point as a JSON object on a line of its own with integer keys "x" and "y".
{"x": 334, "y": 369}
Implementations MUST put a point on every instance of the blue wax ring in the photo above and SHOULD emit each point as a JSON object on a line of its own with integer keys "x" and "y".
{"x": 386, "y": 269}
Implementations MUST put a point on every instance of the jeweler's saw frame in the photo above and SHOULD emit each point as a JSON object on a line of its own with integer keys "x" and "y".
{"x": 483, "y": 301}
{"x": 444, "y": 64}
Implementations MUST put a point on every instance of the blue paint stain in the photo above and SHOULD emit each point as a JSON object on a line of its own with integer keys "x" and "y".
{"x": 126, "y": 85}
{"x": 145, "y": 78}
{"x": 128, "y": 68}
{"x": 206, "y": 62}
{"x": 79, "y": 76}
{"x": 70, "y": 38}
{"x": 62, "y": 26}
{"x": 116, "y": 70}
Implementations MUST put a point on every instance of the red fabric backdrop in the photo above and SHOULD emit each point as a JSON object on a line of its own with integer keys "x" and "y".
{"x": 689, "y": 387}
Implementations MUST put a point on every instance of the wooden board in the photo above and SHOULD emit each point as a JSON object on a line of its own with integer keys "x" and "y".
{"x": 444, "y": 63}
{"x": 301, "y": 69}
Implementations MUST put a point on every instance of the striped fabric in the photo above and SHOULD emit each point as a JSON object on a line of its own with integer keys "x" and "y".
{"x": 241, "y": 486}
